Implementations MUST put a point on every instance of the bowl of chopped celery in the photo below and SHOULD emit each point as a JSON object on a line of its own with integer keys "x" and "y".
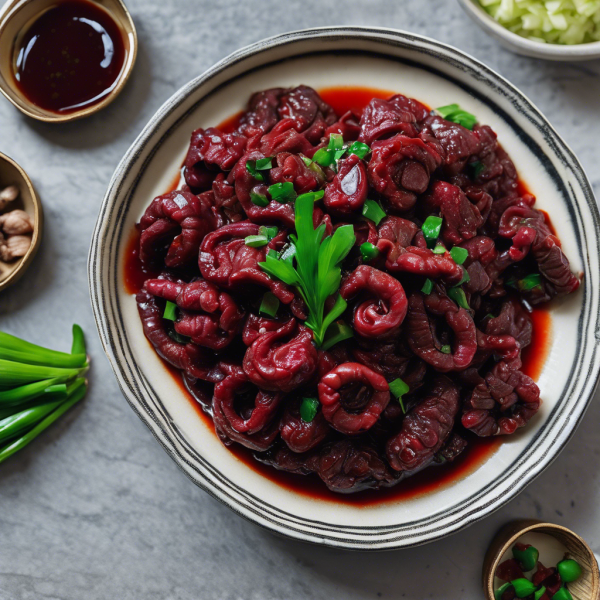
{"x": 566, "y": 30}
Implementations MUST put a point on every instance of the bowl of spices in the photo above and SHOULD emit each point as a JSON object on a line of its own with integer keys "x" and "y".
{"x": 63, "y": 60}
{"x": 21, "y": 221}
{"x": 532, "y": 560}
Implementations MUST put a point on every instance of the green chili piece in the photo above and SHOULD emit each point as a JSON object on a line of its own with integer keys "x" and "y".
{"x": 459, "y": 255}
{"x": 539, "y": 593}
{"x": 446, "y": 349}
{"x": 523, "y": 587}
{"x": 458, "y": 295}
{"x": 269, "y": 305}
{"x": 439, "y": 249}
{"x": 569, "y": 570}
{"x": 259, "y": 199}
{"x": 170, "y": 311}
{"x": 256, "y": 241}
{"x": 283, "y": 192}
{"x": 500, "y": 591}
{"x": 427, "y": 287}
{"x": 368, "y": 251}
{"x": 562, "y": 594}
{"x": 308, "y": 409}
{"x": 431, "y": 229}
{"x": 360, "y": 149}
{"x": 527, "y": 558}
{"x": 323, "y": 157}
{"x": 372, "y": 210}
{"x": 454, "y": 113}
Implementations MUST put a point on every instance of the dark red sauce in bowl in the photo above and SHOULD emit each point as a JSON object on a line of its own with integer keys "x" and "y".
{"x": 478, "y": 451}
{"x": 71, "y": 57}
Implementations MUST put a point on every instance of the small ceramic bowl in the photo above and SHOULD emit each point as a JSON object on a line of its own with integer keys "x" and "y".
{"x": 587, "y": 587}
{"x": 12, "y": 174}
{"x": 17, "y": 15}
{"x": 521, "y": 45}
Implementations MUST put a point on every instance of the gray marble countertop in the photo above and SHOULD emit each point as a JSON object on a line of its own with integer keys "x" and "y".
{"x": 95, "y": 509}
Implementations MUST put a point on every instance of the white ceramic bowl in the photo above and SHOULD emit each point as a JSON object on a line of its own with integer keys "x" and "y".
{"x": 436, "y": 74}
{"x": 526, "y": 47}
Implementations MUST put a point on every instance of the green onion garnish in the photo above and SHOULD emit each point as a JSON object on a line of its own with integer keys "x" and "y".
{"x": 372, "y": 210}
{"x": 368, "y": 251}
{"x": 256, "y": 241}
{"x": 269, "y": 305}
{"x": 282, "y": 192}
{"x": 398, "y": 388}
{"x": 459, "y": 255}
{"x": 262, "y": 164}
{"x": 539, "y": 593}
{"x": 454, "y": 113}
{"x": 431, "y": 229}
{"x": 465, "y": 278}
{"x": 360, "y": 149}
{"x": 427, "y": 287}
{"x": 523, "y": 587}
{"x": 170, "y": 311}
{"x": 529, "y": 282}
{"x": 327, "y": 157}
{"x": 446, "y": 349}
{"x": 439, "y": 249}
{"x": 259, "y": 199}
{"x": 458, "y": 295}
{"x": 477, "y": 168}
{"x": 308, "y": 409}
{"x": 268, "y": 232}
{"x": 500, "y": 591}
{"x": 337, "y": 332}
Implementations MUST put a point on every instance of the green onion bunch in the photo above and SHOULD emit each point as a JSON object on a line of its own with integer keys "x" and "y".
{"x": 37, "y": 386}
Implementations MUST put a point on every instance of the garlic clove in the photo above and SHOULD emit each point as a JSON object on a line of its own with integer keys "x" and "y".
{"x": 14, "y": 246}
{"x": 16, "y": 222}
{"x": 7, "y": 195}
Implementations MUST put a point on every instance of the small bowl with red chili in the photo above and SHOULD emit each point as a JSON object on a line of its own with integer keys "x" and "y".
{"x": 347, "y": 277}
{"x": 64, "y": 60}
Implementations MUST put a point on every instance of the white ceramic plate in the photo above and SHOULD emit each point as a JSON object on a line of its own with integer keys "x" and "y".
{"x": 438, "y": 75}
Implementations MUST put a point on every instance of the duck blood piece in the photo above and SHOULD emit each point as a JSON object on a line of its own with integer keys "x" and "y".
{"x": 508, "y": 570}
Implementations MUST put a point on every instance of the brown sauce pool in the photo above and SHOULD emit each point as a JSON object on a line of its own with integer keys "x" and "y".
{"x": 71, "y": 57}
{"x": 428, "y": 481}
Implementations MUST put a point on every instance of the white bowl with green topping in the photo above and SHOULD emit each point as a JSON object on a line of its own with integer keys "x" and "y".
{"x": 533, "y": 45}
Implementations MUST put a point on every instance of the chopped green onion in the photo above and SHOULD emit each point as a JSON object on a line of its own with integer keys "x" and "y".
{"x": 454, "y": 113}
{"x": 459, "y": 255}
{"x": 500, "y": 591}
{"x": 337, "y": 332}
{"x": 539, "y": 593}
{"x": 313, "y": 195}
{"x": 360, "y": 149}
{"x": 308, "y": 409}
{"x": 371, "y": 210}
{"x": 170, "y": 311}
{"x": 336, "y": 141}
{"x": 18, "y": 350}
{"x": 398, "y": 388}
{"x": 477, "y": 168}
{"x": 529, "y": 282}
{"x": 269, "y": 305}
{"x": 307, "y": 161}
{"x": 562, "y": 594}
{"x": 369, "y": 251}
{"x": 268, "y": 232}
{"x": 431, "y": 229}
{"x": 439, "y": 249}
{"x": 258, "y": 199}
{"x": 569, "y": 570}
{"x": 427, "y": 287}
{"x": 256, "y": 241}
{"x": 327, "y": 157}
{"x": 465, "y": 278}
{"x": 262, "y": 164}
{"x": 283, "y": 192}
{"x": 323, "y": 157}
{"x": 458, "y": 295}
{"x": 21, "y": 442}
{"x": 446, "y": 349}
{"x": 523, "y": 587}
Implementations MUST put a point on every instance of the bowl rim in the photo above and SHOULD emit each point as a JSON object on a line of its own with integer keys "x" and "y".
{"x": 8, "y": 11}
{"x": 36, "y": 238}
{"x": 587, "y": 51}
{"x": 137, "y": 390}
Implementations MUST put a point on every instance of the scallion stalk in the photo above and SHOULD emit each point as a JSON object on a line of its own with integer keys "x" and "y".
{"x": 17, "y": 374}
{"x": 16, "y": 349}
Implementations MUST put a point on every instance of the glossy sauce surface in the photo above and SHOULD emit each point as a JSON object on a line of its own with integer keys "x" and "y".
{"x": 71, "y": 57}
{"x": 425, "y": 482}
